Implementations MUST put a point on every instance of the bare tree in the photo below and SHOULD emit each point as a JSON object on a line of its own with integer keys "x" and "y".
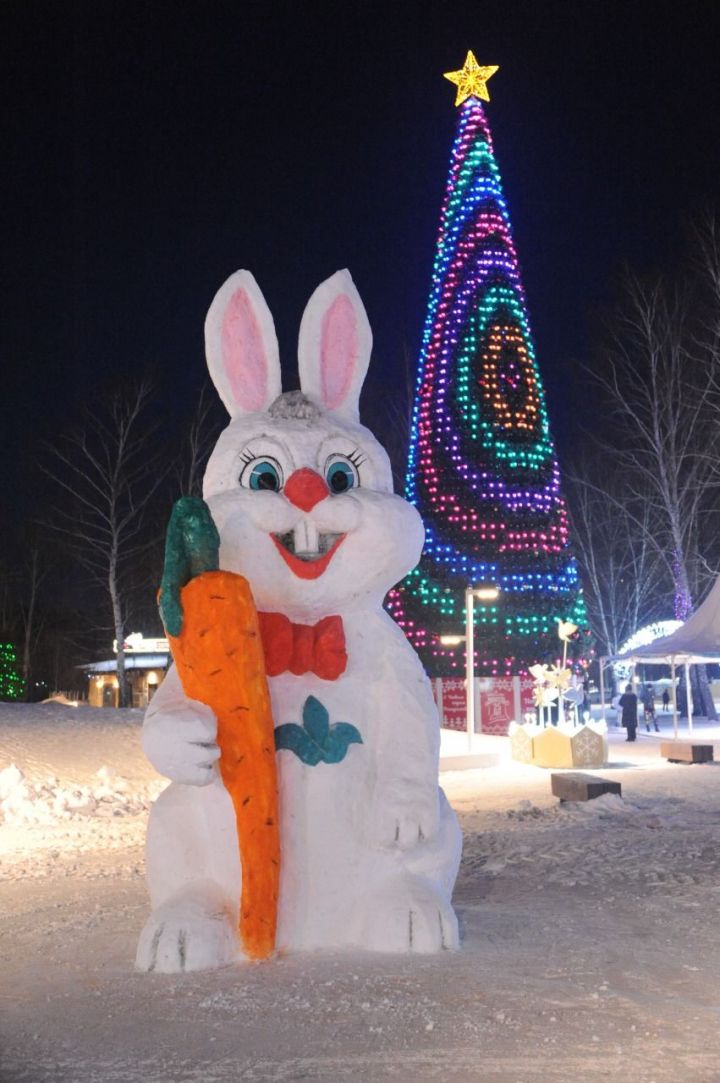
{"x": 106, "y": 472}
{"x": 8, "y": 579}
{"x": 658, "y": 382}
{"x": 663, "y": 432}
{"x": 201, "y": 437}
{"x": 623, "y": 575}
{"x": 392, "y": 415}
{"x": 36, "y": 571}
{"x": 705, "y": 266}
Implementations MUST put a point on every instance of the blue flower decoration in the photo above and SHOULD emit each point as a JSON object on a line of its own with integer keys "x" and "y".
{"x": 316, "y": 741}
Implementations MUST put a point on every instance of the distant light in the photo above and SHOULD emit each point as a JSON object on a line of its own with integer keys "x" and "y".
{"x": 451, "y": 641}
{"x": 646, "y": 635}
{"x": 487, "y": 593}
{"x": 136, "y": 643}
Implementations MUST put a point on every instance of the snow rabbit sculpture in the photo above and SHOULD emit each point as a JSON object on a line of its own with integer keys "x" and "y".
{"x": 301, "y": 494}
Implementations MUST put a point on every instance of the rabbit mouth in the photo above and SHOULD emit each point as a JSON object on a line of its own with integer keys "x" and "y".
{"x": 306, "y": 562}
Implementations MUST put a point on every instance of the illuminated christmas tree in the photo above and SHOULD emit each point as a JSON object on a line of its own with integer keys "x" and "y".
{"x": 12, "y": 685}
{"x": 482, "y": 468}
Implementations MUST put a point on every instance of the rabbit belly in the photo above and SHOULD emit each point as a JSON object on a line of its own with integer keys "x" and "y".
{"x": 342, "y": 886}
{"x": 321, "y": 855}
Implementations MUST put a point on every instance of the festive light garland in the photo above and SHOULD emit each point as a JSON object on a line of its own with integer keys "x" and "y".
{"x": 481, "y": 466}
{"x": 12, "y": 684}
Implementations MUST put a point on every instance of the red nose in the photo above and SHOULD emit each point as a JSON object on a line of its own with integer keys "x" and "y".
{"x": 305, "y": 489}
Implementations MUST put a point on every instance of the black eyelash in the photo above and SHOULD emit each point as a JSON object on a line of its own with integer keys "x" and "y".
{"x": 247, "y": 456}
{"x": 357, "y": 458}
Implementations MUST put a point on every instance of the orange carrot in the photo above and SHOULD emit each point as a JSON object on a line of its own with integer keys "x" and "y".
{"x": 219, "y": 658}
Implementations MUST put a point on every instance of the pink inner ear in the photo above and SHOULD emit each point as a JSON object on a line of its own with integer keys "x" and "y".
{"x": 243, "y": 353}
{"x": 338, "y": 351}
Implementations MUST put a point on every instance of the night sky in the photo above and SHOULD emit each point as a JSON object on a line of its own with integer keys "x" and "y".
{"x": 151, "y": 149}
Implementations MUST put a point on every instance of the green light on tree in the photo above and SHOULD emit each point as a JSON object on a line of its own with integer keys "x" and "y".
{"x": 12, "y": 685}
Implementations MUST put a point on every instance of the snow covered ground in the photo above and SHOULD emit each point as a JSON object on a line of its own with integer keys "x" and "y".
{"x": 590, "y": 947}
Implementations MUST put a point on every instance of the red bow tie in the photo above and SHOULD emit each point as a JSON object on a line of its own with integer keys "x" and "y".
{"x": 303, "y": 648}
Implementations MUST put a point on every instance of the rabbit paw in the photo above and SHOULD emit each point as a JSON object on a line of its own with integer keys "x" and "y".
{"x": 190, "y": 932}
{"x": 408, "y": 822}
{"x": 411, "y": 918}
{"x": 180, "y": 743}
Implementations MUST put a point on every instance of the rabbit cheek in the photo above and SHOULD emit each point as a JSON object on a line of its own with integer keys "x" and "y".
{"x": 243, "y": 511}
{"x": 245, "y": 522}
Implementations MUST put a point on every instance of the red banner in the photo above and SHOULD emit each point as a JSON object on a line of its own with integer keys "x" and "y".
{"x": 454, "y": 706}
{"x": 497, "y": 704}
{"x": 499, "y": 701}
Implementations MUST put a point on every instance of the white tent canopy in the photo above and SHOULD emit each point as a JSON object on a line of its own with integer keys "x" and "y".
{"x": 697, "y": 641}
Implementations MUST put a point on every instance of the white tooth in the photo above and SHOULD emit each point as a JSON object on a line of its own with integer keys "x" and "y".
{"x": 307, "y": 539}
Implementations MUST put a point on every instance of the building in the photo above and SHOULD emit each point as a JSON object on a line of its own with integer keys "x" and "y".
{"x": 146, "y": 663}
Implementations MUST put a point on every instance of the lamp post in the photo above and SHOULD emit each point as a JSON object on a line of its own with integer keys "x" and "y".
{"x": 486, "y": 593}
{"x": 566, "y": 629}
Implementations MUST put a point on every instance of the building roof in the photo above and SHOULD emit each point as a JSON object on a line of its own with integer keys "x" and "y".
{"x": 132, "y": 661}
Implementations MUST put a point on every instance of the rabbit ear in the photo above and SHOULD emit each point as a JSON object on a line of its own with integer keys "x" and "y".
{"x": 335, "y": 344}
{"x": 242, "y": 347}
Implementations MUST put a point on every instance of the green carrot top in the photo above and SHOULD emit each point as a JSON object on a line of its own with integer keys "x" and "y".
{"x": 192, "y": 547}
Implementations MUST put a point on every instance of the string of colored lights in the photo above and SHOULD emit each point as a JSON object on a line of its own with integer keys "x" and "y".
{"x": 12, "y": 684}
{"x": 481, "y": 465}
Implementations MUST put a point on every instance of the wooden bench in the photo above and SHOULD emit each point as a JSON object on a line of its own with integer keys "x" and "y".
{"x": 686, "y": 752}
{"x": 576, "y": 786}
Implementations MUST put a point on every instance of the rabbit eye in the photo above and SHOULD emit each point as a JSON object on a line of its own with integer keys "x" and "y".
{"x": 341, "y": 475}
{"x": 262, "y": 474}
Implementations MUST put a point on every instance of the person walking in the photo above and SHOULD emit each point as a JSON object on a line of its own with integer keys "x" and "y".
{"x": 666, "y": 700}
{"x": 629, "y": 704}
{"x": 649, "y": 705}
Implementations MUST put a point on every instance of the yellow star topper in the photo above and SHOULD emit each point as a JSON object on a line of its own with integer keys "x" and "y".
{"x": 471, "y": 79}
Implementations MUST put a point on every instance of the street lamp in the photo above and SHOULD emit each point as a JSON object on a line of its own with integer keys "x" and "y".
{"x": 487, "y": 592}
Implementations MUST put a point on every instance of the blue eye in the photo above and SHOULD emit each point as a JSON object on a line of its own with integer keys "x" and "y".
{"x": 262, "y": 474}
{"x": 341, "y": 475}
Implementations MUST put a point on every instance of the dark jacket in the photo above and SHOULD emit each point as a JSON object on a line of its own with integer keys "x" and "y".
{"x": 629, "y": 704}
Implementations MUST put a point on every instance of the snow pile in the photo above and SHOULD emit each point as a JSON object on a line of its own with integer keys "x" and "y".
{"x": 568, "y": 727}
{"x": 590, "y": 947}
{"x": 652, "y": 812}
{"x": 652, "y": 843}
{"x": 47, "y": 802}
{"x": 60, "y": 697}
{"x": 75, "y": 790}
{"x": 50, "y": 740}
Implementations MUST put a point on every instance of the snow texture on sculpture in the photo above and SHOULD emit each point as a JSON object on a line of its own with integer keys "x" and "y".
{"x": 301, "y": 494}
